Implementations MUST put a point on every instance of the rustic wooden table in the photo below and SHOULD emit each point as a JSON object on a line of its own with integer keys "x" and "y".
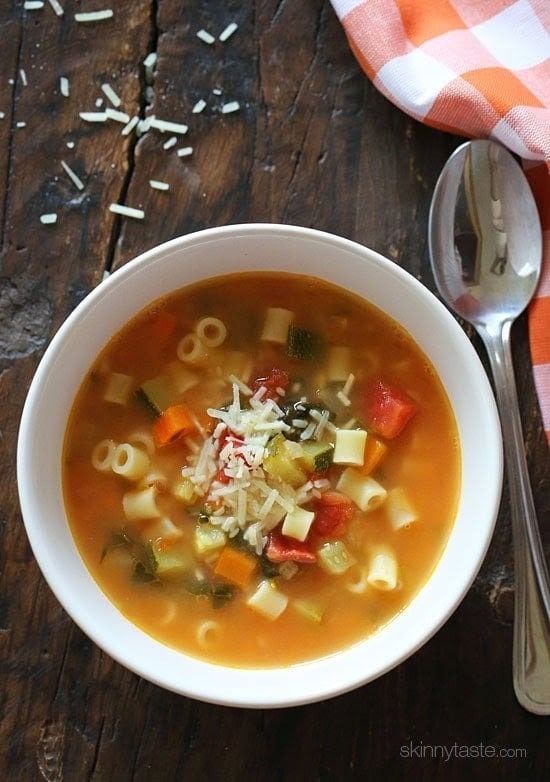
{"x": 314, "y": 144}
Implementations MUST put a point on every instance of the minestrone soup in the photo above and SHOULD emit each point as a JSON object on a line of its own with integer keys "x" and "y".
{"x": 261, "y": 469}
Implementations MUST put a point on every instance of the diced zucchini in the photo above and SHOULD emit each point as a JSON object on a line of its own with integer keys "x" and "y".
{"x": 157, "y": 393}
{"x": 302, "y": 344}
{"x": 334, "y": 557}
{"x": 309, "y": 609}
{"x": 279, "y": 463}
{"x": 170, "y": 562}
{"x": 317, "y": 456}
{"x": 208, "y": 538}
{"x": 184, "y": 491}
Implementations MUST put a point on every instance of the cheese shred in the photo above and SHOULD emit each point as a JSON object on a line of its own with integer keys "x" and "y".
{"x": 93, "y": 16}
{"x": 78, "y": 183}
{"x": 127, "y": 211}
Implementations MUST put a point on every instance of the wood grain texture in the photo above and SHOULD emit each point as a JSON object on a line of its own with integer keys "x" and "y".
{"x": 313, "y": 144}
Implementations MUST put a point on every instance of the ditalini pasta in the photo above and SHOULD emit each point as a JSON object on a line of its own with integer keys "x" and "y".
{"x": 383, "y": 570}
{"x": 244, "y": 463}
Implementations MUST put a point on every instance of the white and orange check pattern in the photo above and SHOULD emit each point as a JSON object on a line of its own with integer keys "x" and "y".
{"x": 477, "y": 68}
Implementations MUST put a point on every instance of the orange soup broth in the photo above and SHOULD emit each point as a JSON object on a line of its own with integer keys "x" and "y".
{"x": 424, "y": 460}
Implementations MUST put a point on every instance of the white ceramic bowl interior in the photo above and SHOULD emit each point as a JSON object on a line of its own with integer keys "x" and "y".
{"x": 211, "y": 253}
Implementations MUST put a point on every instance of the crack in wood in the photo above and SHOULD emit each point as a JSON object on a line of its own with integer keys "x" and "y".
{"x": 9, "y": 153}
{"x": 133, "y": 141}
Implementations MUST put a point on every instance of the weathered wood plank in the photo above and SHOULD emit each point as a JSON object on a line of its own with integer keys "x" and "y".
{"x": 313, "y": 144}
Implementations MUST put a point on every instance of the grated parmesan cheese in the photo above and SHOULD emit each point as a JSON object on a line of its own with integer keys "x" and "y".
{"x": 164, "y": 125}
{"x": 33, "y": 5}
{"x": 185, "y": 152}
{"x": 127, "y": 211}
{"x": 205, "y": 36}
{"x": 199, "y": 106}
{"x": 64, "y": 86}
{"x": 93, "y": 16}
{"x": 172, "y": 141}
{"x": 79, "y": 184}
{"x": 117, "y": 116}
{"x": 157, "y": 185}
{"x": 127, "y": 129}
{"x": 93, "y": 116}
{"x": 111, "y": 95}
{"x": 230, "y": 107}
{"x": 344, "y": 399}
{"x": 228, "y": 32}
{"x": 57, "y": 7}
{"x": 48, "y": 219}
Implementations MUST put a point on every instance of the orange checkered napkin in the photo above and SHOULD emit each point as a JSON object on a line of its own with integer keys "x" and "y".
{"x": 476, "y": 68}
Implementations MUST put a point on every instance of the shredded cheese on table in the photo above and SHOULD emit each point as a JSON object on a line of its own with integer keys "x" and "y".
{"x": 57, "y": 7}
{"x": 72, "y": 176}
{"x": 127, "y": 211}
{"x": 93, "y": 16}
{"x": 205, "y": 36}
{"x": 227, "y": 32}
{"x": 230, "y": 107}
{"x": 111, "y": 94}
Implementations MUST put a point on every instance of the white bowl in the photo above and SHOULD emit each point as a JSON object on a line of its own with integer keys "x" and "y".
{"x": 210, "y": 253}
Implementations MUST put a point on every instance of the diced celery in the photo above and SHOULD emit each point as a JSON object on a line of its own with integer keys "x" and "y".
{"x": 317, "y": 456}
{"x": 334, "y": 557}
{"x": 309, "y": 610}
{"x": 208, "y": 538}
{"x": 279, "y": 464}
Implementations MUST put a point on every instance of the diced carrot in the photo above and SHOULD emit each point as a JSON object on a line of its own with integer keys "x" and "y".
{"x": 172, "y": 423}
{"x": 375, "y": 451}
{"x": 236, "y": 566}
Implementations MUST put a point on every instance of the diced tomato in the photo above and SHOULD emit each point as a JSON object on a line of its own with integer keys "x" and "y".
{"x": 333, "y": 511}
{"x": 387, "y": 409}
{"x": 281, "y": 548}
{"x": 273, "y": 380}
{"x": 221, "y": 477}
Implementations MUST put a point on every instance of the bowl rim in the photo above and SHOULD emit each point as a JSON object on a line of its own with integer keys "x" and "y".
{"x": 253, "y": 687}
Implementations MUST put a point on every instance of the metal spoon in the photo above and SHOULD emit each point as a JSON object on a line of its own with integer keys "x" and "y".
{"x": 486, "y": 250}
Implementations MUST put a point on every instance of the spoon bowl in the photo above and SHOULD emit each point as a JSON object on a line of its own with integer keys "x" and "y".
{"x": 485, "y": 244}
{"x": 485, "y": 237}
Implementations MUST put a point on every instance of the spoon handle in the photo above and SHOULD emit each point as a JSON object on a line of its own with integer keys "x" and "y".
{"x": 531, "y": 645}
